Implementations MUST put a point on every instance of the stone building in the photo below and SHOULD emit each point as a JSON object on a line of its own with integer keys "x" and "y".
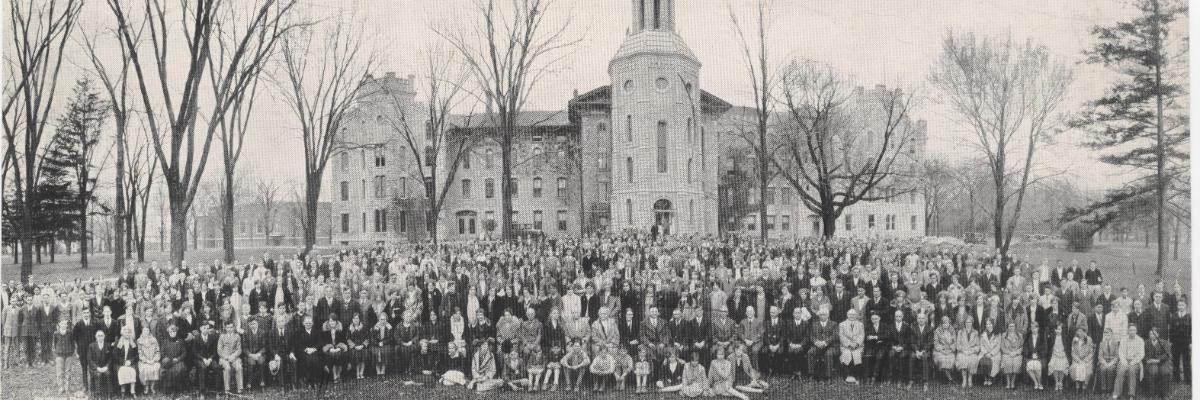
{"x": 650, "y": 148}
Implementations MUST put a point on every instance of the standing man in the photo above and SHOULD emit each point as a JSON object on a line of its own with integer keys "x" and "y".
{"x": 84, "y": 334}
{"x": 229, "y": 349}
{"x": 1129, "y": 362}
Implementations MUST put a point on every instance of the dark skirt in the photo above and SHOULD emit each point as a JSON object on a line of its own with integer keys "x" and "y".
{"x": 382, "y": 354}
{"x": 360, "y": 355}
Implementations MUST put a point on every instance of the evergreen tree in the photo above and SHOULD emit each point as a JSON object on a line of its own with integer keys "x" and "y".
{"x": 1142, "y": 120}
{"x": 71, "y": 161}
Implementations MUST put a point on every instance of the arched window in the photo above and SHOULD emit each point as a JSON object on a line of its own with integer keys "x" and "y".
{"x": 487, "y": 159}
{"x": 690, "y": 132}
{"x": 662, "y": 146}
{"x": 691, "y": 210}
{"x": 537, "y": 187}
{"x": 642, "y": 14}
{"x": 703, "y": 164}
{"x": 689, "y": 171}
{"x": 657, "y": 14}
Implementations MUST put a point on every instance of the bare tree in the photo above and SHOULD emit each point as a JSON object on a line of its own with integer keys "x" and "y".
{"x": 38, "y": 34}
{"x": 324, "y": 65}
{"x": 116, "y": 86}
{"x": 267, "y": 196}
{"x": 763, "y": 80}
{"x": 839, "y": 147}
{"x": 142, "y": 169}
{"x": 445, "y": 75}
{"x": 509, "y": 49}
{"x": 181, "y": 147}
{"x": 934, "y": 177}
{"x": 1008, "y": 95}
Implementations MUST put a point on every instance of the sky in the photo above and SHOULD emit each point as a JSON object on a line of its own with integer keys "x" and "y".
{"x": 890, "y": 42}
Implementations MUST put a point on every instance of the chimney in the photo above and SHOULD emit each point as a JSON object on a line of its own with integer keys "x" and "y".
{"x": 575, "y": 93}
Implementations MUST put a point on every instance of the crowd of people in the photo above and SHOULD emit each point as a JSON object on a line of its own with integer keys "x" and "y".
{"x": 697, "y": 316}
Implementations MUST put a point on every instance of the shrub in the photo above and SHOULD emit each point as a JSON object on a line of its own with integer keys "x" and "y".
{"x": 1078, "y": 236}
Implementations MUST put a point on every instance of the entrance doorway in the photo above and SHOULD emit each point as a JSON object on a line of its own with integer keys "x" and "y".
{"x": 662, "y": 215}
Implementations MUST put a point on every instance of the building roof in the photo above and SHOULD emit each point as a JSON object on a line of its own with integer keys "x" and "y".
{"x": 524, "y": 119}
{"x": 656, "y": 42}
{"x": 601, "y": 99}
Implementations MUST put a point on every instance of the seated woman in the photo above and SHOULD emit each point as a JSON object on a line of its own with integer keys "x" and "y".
{"x": 358, "y": 340}
{"x": 944, "y": 338}
{"x": 1035, "y": 354}
{"x": 623, "y": 366}
{"x": 535, "y": 365}
{"x": 989, "y": 352}
{"x": 125, "y": 357}
{"x": 670, "y": 373}
{"x": 333, "y": 347}
{"x": 641, "y": 371}
{"x": 483, "y": 370}
{"x": 173, "y": 362}
{"x": 720, "y": 376}
{"x": 1010, "y": 355}
{"x": 1158, "y": 364}
{"x": 515, "y": 371}
{"x": 381, "y": 345}
{"x": 575, "y": 363}
{"x": 741, "y": 361}
{"x": 149, "y": 359}
{"x": 694, "y": 381}
{"x": 603, "y": 366}
{"x": 1082, "y": 358}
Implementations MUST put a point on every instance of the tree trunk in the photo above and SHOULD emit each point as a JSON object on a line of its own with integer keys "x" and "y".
{"x": 53, "y": 249}
{"x": 119, "y": 258}
{"x": 828, "y": 222}
{"x": 506, "y": 206}
{"x": 1160, "y": 149}
{"x": 26, "y": 232}
{"x": 1175, "y": 237}
{"x": 227, "y": 216}
{"x": 179, "y": 232}
{"x": 40, "y": 247}
{"x": 312, "y": 192}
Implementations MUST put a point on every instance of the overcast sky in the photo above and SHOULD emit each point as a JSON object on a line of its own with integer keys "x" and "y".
{"x": 890, "y": 42}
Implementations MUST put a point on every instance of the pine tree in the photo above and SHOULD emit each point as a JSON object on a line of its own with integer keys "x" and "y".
{"x": 1142, "y": 120}
{"x": 71, "y": 160}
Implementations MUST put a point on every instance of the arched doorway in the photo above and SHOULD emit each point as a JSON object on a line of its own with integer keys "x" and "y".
{"x": 466, "y": 222}
{"x": 662, "y": 215}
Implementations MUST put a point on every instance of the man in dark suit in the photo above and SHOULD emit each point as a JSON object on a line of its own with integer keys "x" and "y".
{"x": 100, "y": 365}
{"x": 898, "y": 333}
{"x": 48, "y": 317}
{"x": 796, "y": 345}
{"x": 774, "y": 341}
{"x": 589, "y": 303}
{"x": 306, "y": 343}
{"x": 699, "y": 333}
{"x": 204, "y": 349}
{"x": 823, "y": 345}
{"x": 327, "y": 305}
{"x": 920, "y": 343}
{"x": 279, "y": 349}
{"x": 254, "y": 347}
{"x": 109, "y": 325}
{"x": 84, "y": 334}
{"x": 654, "y": 335}
{"x": 839, "y": 300}
{"x": 1095, "y": 324}
{"x": 875, "y": 346}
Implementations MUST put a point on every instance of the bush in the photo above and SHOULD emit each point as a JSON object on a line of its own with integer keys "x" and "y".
{"x": 1078, "y": 236}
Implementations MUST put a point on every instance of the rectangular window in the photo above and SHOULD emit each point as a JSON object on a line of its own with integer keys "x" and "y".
{"x": 487, "y": 159}
{"x": 629, "y": 169}
{"x": 380, "y": 187}
{"x": 489, "y": 220}
{"x": 344, "y": 160}
{"x": 402, "y": 220}
{"x": 429, "y": 156}
{"x": 489, "y": 188}
{"x": 849, "y": 222}
{"x": 512, "y": 187}
{"x": 662, "y": 146}
{"x": 466, "y": 188}
{"x": 785, "y": 196}
{"x": 770, "y": 222}
{"x": 380, "y": 158}
{"x": 604, "y": 189}
{"x": 537, "y": 187}
{"x": 689, "y": 171}
{"x": 562, "y": 187}
{"x": 786, "y": 223}
{"x": 381, "y": 220}
{"x": 562, "y": 220}
{"x": 345, "y": 223}
{"x": 912, "y": 222}
{"x": 871, "y": 221}
{"x": 602, "y": 162}
{"x": 403, "y": 187}
{"x": 770, "y": 196}
{"x": 345, "y": 191}
{"x": 466, "y": 159}
{"x": 364, "y": 191}
{"x": 537, "y": 219}
{"x": 364, "y": 223}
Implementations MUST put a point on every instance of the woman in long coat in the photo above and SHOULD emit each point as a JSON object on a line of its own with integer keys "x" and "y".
{"x": 173, "y": 362}
{"x": 720, "y": 376}
{"x": 944, "y": 338}
{"x": 125, "y": 357}
{"x": 333, "y": 346}
{"x": 967, "y": 359}
{"x": 989, "y": 352}
{"x": 695, "y": 380}
{"x": 1082, "y": 357}
{"x": 358, "y": 340}
{"x": 1011, "y": 347}
{"x": 381, "y": 345}
{"x": 149, "y": 358}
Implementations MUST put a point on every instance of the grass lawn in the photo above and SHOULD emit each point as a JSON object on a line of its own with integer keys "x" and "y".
{"x": 1123, "y": 264}
{"x": 37, "y": 382}
{"x": 67, "y": 267}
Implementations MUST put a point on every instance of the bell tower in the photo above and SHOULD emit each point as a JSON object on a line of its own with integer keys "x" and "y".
{"x": 658, "y": 146}
{"x": 653, "y": 15}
